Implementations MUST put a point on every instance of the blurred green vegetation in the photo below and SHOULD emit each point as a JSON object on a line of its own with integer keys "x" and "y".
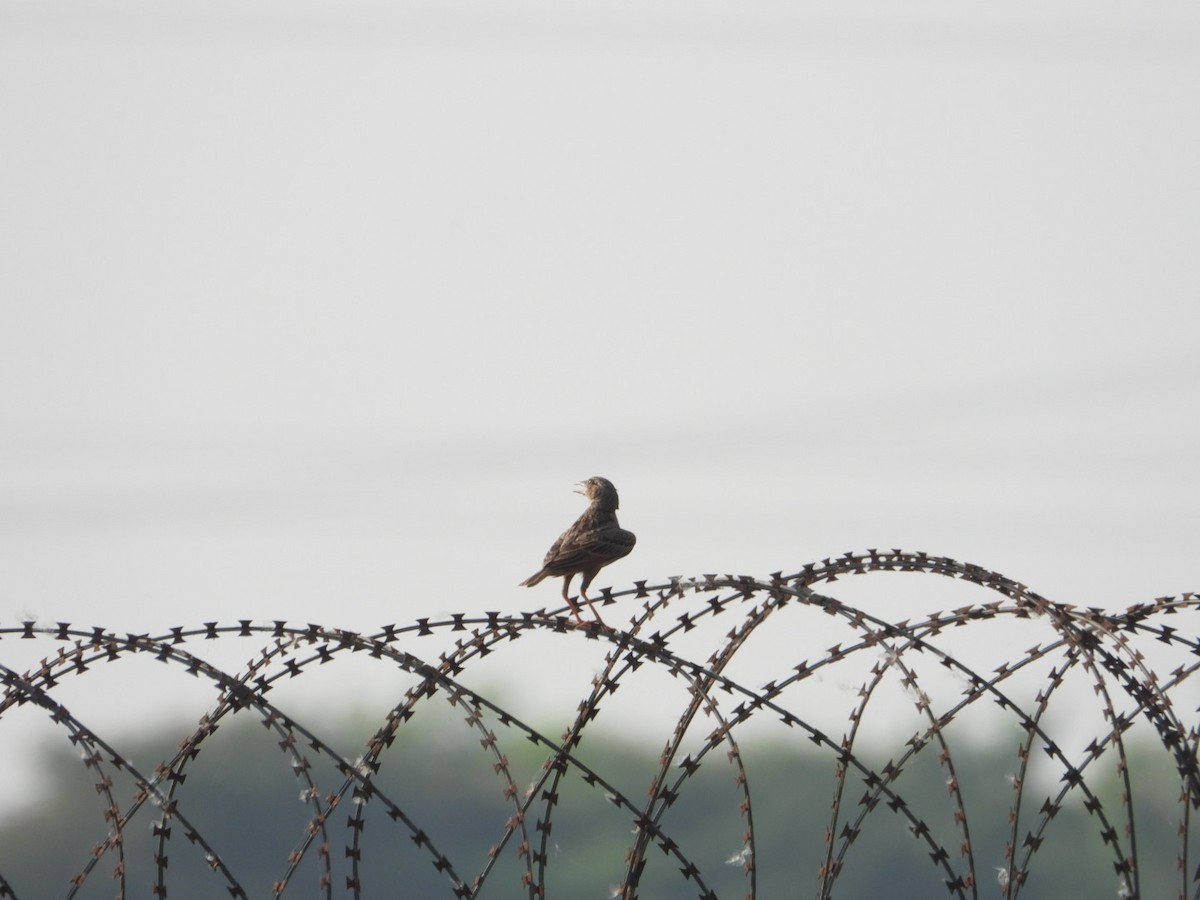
{"x": 242, "y": 794}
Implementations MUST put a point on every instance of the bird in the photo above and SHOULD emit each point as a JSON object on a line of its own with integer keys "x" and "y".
{"x": 589, "y": 545}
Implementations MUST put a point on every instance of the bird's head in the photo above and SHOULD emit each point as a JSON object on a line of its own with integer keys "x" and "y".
{"x": 600, "y": 491}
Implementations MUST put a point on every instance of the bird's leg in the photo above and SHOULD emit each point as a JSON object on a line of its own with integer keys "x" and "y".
{"x": 583, "y": 586}
{"x": 600, "y": 621}
{"x": 570, "y": 602}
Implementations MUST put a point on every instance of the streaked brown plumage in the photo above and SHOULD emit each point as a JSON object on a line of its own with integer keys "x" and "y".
{"x": 589, "y": 545}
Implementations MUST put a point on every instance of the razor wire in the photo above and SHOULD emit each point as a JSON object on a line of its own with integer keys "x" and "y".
{"x": 1108, "y": 651}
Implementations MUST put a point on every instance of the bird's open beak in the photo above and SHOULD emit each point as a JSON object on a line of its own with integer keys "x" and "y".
{"x": 582, "y": 485}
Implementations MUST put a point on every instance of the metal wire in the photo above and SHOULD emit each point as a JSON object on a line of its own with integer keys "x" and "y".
{"x": 1109, "y": 651}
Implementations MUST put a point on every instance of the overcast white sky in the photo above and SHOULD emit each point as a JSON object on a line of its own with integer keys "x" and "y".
{"x": 317, "y": 310}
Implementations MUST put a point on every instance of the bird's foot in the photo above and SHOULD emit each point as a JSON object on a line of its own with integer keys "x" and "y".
{"x": 597, "y": 623}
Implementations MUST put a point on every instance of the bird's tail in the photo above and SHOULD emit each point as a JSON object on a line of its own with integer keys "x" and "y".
{"x": 533, "y": 579}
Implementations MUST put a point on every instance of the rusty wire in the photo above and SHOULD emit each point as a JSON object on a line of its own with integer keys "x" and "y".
{"x": 1109, "y": 651}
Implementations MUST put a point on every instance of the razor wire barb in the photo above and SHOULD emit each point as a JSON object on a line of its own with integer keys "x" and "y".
{"x": 1105, "y": 649}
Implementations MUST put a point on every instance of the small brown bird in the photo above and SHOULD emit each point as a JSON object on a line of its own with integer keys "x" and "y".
{"x": 589, "y": 545}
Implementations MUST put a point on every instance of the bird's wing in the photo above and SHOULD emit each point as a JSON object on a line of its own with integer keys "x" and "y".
{"x": 567, "y": 540}
{"x": 590, "y": 549}
{"x": 556, "y": 548}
